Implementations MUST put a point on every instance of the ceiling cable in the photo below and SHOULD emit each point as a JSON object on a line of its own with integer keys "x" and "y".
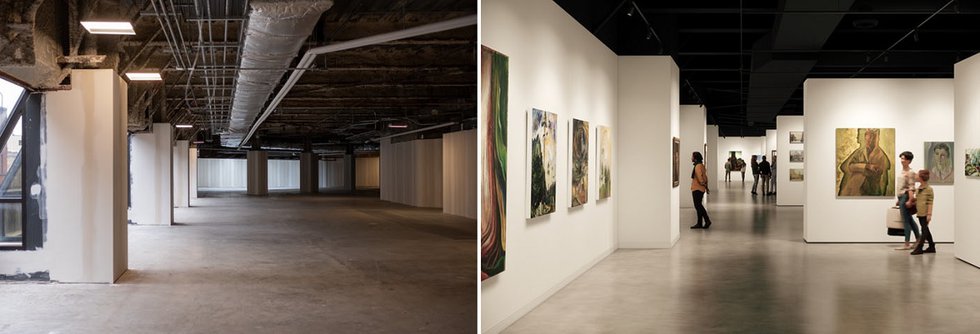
{"x": 911, "y": 32}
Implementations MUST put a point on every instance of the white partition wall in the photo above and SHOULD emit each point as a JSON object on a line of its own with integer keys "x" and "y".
{"x": 711, "y": 159}
{"x": 555, "y": 65}
{"x": 693, "y": 136}
{"x": 181, "y": 168}
{"x": 748, "y": 146}
{"x": 332, "y": 173}
{"x": 459, "y": 173}
{"x": 369, "y": 172}
{"x": 770, "y": 144}
{"x": 192, "y": 174}
{"x": 221, "y": 174}
{"x": 85, "y": 158}
{"x": 789, "y": 192}
{"x": 152, "y": 174}
{"x": 967, "y": 189}
{"x": 283, "y": 174}
{"x": 919, "y": 110}
{"x": 411, "y": 172}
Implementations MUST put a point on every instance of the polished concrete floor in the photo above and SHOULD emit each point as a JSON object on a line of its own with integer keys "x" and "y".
{"x": 752, "y": 273}
{"x": 282, "y": 264}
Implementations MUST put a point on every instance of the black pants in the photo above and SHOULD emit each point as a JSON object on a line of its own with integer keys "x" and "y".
{"x": 699, "y": 206}
{"x": 926, "y": 235}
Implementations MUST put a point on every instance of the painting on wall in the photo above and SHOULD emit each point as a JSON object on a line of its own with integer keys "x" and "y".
{"x": 795, "y": 155}
{"x": 493, "y": 96}
{"x": 796, "y": 137}
{"x": 796, "y": 174}
{"x": 677, "y": 161}
{"x": 972, "y": 162}
{"x": 734, "y": 157}
{"x": 580, "y": 162}
{"x": 605, "y": 162}
{"x": 865, "y": 162}
{"x": 939, "y": 162}
{"x": 773, "y": 157}
{"x": 544, "y": 169}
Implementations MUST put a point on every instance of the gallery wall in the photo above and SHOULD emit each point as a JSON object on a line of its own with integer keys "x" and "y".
{"x": 152, "y": 176}
{"x": 411, "y": 172}
{"x": 919, "y": 110}
{"x": 555, "y": 65}
{"x": 693, "y": 138}
{"x": 711, "y": 158}
{"x": 748, "y": 146}
{"x": 283, "y": 174}
{"x": 221, "y": 174}
{"x": 967, "y": 189}
{"x": 459, "y": 173}
{"x": 789, "y": 192}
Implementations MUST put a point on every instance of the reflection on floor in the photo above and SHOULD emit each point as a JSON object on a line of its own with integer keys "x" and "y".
{"x": 752, "y": 273}
{"x": 281, "y": 264}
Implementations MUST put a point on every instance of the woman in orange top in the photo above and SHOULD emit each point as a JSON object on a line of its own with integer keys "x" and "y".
{"x": 699, "y": 187}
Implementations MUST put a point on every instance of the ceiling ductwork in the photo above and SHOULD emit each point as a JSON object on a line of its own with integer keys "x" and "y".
{"x": 274, "y": 35}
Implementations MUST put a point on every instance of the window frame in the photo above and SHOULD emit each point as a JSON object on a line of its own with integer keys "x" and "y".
{"x": 27, "y": 112}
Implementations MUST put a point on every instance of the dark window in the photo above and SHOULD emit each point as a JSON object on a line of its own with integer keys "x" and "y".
{"x": 19, "y": 137}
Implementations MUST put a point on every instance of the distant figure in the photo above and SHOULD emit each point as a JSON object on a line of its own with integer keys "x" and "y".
{"x": 728, "y": 170}
{"x": 755, "y": 175}
{"x": 766, "y": 172}
{"x": 699, "y": 187}
{"x": 772, "y": 179}
{"x": 864, "y": 168}
{"x": 924, "y": 198}
{"x": 741, "y": 168}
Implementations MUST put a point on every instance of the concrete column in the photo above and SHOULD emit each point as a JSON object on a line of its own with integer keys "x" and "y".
{"x": 192, "y": 172}
{"x": 258, "y": 173}
{"x": 308, "y": 173}
{"x": 350, "y": 169}
{"x": 181, "y": 182}
{"x": 152, "y": 171}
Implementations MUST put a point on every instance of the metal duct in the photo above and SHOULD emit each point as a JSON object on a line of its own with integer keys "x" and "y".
{"x": 274, "y": 34}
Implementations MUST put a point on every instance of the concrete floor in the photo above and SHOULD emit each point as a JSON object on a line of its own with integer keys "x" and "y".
{"x": 282, "y": 264}
{"x": 752, "y": 273}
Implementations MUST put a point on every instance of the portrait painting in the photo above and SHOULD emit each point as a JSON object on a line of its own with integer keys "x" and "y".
{"x": 493, "y": 155}
{"x": 580, "y": 162}
{"x": 939, "y": 161}
{"x": 544, "y": 149}
{"x": 865, "y": 161}
{"x": 605, "y": 162}
{"x": 734, "y": 157}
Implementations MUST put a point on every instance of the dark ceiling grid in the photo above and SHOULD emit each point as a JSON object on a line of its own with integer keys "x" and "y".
{"x": 744, "y": 85}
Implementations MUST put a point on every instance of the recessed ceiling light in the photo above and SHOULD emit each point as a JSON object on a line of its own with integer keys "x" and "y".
{"x": 184, "y": 126}
{"x": 109, "y": 28}
{"x": 398, "y": 126}
{"x": 144, "y": 76}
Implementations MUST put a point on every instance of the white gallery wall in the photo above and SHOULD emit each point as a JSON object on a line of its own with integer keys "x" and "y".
{"x": 152, "y": 175}
{"x": 181, "y": 169}
{"x": 85, "y": 157}
{"x": 555, "y": 65}
{"x": 192, "y": 174}
{"x": 919, "y": 110}
{"x": 649, "y": 119}
{"x": 770, "y": 144}
{"x": 283, "y": 174}
{"x": 748, "y": 146}
{"x": 411, "y": 172}
{"x": 789, "y": 192}
{"x": 693, "y": 136}
{"x": 459, "y": 173}
{"x": 710, "y": 162}
{"x": 221, "y": 174}
{"x": 967, "y": 189}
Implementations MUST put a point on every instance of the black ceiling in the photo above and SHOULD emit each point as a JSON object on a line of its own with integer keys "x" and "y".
{"x": 746, "y": 60}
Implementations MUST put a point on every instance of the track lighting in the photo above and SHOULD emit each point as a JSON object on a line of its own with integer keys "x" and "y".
{"x": 915, "y": 35}
{"x": 649, "y": 35}
{"x": 631, "y": 12}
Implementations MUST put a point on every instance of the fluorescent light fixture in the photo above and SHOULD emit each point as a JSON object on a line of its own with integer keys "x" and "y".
{"x": 397, "y": 126}
{"x": 185, "y": 126}
{"x": 144, "y": 76}
{"x": 109, "y": 28}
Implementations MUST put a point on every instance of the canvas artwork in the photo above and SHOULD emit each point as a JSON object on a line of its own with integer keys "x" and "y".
{"x": 605, "y": 162}
{"x": 865, "y": 162}
{"x": 544, "y": 170}
{"x": 939, "y": 161}
{"x": 580, "y": 162}
{"x": 796, "y": 174}
{"x": 677, "y": 161}
{"x": 733, "y": 157}
{"x": 796, "y": 137}
{"x": 493, "y": 96}
{"x": 773, "y": 157}
{"x": 972, "y": 162}
{"x": 795, "y": 155}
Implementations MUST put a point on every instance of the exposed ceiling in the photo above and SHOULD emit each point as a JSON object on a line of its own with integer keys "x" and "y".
{"x": 347, "y": 97}
{"x": 746, "y": 60}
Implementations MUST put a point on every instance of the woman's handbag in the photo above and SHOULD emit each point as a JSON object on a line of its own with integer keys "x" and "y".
{"x": 894, "y": 222}
{"x": 911, "y": 207}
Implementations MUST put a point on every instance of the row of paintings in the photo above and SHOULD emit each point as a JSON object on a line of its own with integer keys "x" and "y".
{"x": 543, "y": 166}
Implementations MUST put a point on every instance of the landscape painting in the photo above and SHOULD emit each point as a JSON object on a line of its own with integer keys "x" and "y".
{"x": 605, "y": 162}
{"x": 796, "y": 137}
{"x": 865, "y": 161}
{"x": 939, "y": 161}
{"x": 795, "y": 155}
{"x": 544, "y": 149}
{"x": 493, "y": 155}
{"x": 972, "y": 162}
{"x": 580, "y": 162}
{"x": 796, "y": 174}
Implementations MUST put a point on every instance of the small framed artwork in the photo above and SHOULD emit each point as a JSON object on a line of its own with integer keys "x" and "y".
{"x": 796, "y": 174}
{"x": 796, "y": 137}
{"x": 795, "y": 155}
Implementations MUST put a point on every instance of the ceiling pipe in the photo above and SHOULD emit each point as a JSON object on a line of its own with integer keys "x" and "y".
{"x": 311, "y": 55}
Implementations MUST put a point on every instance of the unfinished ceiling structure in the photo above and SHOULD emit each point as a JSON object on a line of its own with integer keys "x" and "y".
{"x": 326, "y": 75}
{"x": 746, "y": 60}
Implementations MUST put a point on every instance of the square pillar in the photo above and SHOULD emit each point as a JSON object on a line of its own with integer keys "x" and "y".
{"x": 258, "y": 173}
{"x": 181, "y": 169}
{"x": 308, "y": 173}
{"x": 694, "y": 124}
{"x": 192, "y": 172}
{"x": 152, "y": 171}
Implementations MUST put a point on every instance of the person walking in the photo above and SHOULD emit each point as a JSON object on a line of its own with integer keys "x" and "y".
{"x": 924, "y": 198}
{"x": 699, "y": 187}
{"x": 766, "y": 172}
{"x": 740, "y": 166}
{"x": 728, "y": 170}
{"x": 905, "y": 182}
{"x": 755, "y": 175}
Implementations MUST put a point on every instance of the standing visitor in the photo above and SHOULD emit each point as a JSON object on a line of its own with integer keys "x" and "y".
{"x": 755, "y": 175}
{"x": 699, "y": 187}
{"x": 923, "y": 204}
{"x": 766, "y": 173}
